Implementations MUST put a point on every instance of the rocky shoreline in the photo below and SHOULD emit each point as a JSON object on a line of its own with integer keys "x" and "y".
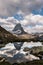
{"x": 35, "y": 62}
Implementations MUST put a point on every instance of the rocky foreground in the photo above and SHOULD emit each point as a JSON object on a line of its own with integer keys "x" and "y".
{"x": 36, "y": 62}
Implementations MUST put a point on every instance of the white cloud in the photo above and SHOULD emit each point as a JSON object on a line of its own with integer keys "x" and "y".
{"x": 31, "y": 23}
{"x": 32, "y": 20}
{"x": 11, "y": 7}
{"x": 5, "y": 24}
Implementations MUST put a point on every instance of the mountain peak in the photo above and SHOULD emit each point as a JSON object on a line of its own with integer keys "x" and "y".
{"x": 19, "y": 29}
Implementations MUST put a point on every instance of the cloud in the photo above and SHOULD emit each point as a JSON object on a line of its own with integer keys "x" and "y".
{"x": 30, "y": 23}
{"x": 33, "y": 23}
{"x": 12, "y": 7}
{"x": 37, "y": 28}
{"x": 5, "y": 24}
{"x": 32, "y": 20}
{"x": 8, "y": 23}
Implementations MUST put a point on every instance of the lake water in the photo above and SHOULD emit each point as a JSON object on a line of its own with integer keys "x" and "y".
{"x": 14, "y": 51}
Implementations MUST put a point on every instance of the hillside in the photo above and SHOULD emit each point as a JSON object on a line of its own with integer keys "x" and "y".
{"x": 6, "y": 36}
{"x": 18, "y": 35}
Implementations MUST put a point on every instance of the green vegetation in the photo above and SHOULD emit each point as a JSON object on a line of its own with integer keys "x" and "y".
{"x": 34, "y": 49}
{"x": 37, "y": 49}
{"x": 36, "y": 62}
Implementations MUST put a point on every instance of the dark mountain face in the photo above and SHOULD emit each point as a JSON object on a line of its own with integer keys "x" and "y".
{"x": 6, "y": 36}
{"x": 19, "y": 29}
{"x": 2, "y": 29}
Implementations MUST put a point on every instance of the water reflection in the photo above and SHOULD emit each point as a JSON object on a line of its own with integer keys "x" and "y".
{"x": 18, "y": 45}
{"x": 31, "y": 44}
{"x": 14, "y": 51}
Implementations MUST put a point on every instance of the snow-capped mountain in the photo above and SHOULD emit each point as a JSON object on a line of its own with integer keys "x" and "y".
{"x": 18, "y": 29}
{"x": 21, "y": 34}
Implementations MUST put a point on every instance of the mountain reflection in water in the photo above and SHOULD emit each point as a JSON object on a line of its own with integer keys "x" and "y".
{"x": 18, "y": 45}
{"x": 13, "y": 52}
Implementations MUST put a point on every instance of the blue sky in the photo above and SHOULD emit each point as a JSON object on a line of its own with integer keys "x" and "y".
{"x": 35, "y": 12}
{"x": 38, "y": 12}
{"x": 27, "y": 12}
{"x": 18, "y": 16}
